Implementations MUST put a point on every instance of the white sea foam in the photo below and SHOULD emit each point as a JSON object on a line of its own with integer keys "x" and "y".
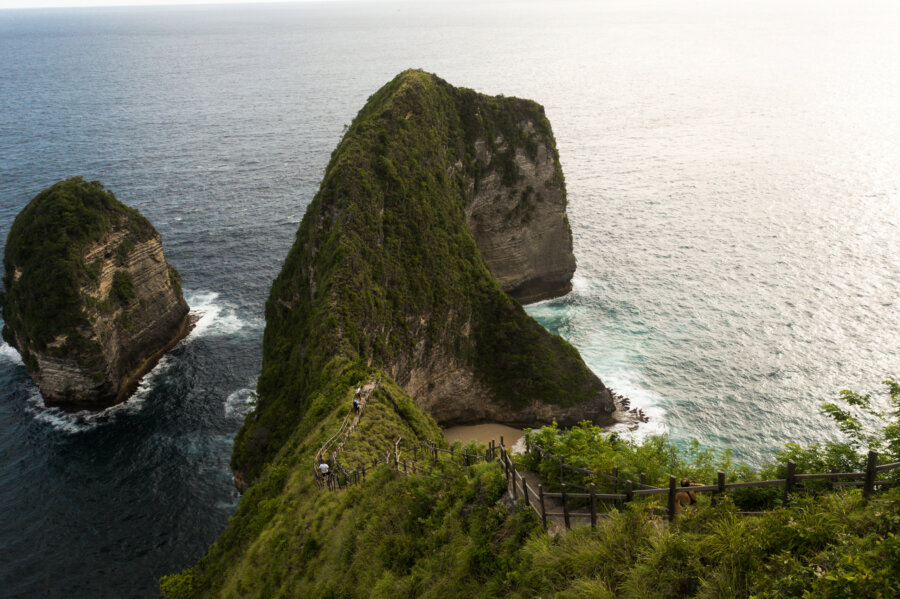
{"x": 240, "y": 402}
{"x": 9, "y": 354}
{"x": 216, "y": 318}
{"x": 84, "y": 420}
{"x": 54, "y": 417}
{"x": 581, "y": 286}
{"x": 623, "y": 382}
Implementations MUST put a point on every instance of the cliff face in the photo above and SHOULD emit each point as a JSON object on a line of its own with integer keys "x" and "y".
{"x": 519, "y": 222}
{"x": 90, "y": 303}
{"x": 432, "y": 189}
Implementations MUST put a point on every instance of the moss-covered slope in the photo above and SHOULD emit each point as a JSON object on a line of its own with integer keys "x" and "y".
{"x": 385, "y": 271}
{"x": 90, "y": 301}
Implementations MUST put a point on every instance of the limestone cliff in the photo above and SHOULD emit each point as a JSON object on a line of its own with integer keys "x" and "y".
{"x": 431, "y": 190}
{"x": 518, "y": 214}
{"x": 90, "y": 301}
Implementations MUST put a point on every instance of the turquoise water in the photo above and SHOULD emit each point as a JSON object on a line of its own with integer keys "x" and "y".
{"x": 734, "y": 195}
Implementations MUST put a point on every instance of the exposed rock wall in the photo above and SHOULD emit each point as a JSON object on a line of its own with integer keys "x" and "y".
{"x": 131, "y": 337}
{"x": 128, "y": 307}
{"x": 521, "y": 226}
{"x": 449, "y": 390}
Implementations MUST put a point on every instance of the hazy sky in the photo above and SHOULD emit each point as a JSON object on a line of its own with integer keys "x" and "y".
{"x": 74, "y": 3}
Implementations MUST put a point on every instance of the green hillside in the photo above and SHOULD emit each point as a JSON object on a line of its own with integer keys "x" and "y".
{"x": 384, "y": 266}
{"x": 384, "y": 262}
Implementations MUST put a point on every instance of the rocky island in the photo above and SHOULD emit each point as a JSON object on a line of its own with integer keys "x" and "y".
{"x": 438, "y": 205}
{"x": 90, "y": 302}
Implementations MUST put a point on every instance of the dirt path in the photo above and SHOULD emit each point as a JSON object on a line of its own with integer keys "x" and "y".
{"x": 333, "y": 447}
{"x": 556, "y": 523}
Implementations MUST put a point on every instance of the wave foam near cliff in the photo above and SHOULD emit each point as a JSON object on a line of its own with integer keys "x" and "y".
{"x": 215, "y": 317}
{"x": 85, "y": 420}
{"x": 241, "y": 402}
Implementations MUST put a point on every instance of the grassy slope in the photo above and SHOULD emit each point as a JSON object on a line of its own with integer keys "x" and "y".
{"x": 384, "y": 260}
{"x": 289, "y": 539}
{"x": 46, "y": 242}
{"x": 452, "y": 535}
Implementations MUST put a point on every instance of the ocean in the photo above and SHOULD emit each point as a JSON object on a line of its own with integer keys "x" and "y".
{"x": 733, "y": 172}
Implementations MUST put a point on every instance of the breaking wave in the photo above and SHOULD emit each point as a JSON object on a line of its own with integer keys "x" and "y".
{"x": 216, "y": 317}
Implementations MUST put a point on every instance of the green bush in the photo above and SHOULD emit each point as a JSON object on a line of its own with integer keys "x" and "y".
{"x": 122, "y": 287}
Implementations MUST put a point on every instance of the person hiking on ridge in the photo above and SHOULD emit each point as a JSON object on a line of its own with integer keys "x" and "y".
{"x": 356, "y": 405}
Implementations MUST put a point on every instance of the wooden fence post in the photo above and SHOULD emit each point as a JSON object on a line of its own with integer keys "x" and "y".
{"x": 514, "y": 485}
{"x": 525, "y": 492}
{"x": 629, "y": 490}
{"x": 565, "y": 507}
{"x": 869, "y": 483}
{"x": 466, "y": 456}
{"x": 671, "y": 505}
{"x": 789, "y": 481}
{"x": 720, "y": 482}
{"x": 562, "y": 476}
{"x": 543, "y": 509}
{"x": 593, "y": 506}
{"x": 615, "y": 473}
{"x": 643, "y": 479}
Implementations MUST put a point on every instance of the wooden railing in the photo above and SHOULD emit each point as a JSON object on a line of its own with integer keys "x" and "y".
{"x": 422, "y": 457}
{"x": 537, "y": 498}
{"x": 417, "y": 458}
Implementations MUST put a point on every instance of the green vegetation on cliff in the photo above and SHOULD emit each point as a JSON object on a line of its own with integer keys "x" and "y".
{"x": 385, "y": 270}
{"x": 453, "y": 533}
{"x": 44, "y": 267}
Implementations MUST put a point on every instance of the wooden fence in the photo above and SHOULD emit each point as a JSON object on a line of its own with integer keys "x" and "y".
{"x": 537, "y": 498}
{"x": 417, "y": 459}
{"x": 422, "y": 457}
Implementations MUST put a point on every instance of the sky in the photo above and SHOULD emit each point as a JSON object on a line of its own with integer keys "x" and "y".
{"x": 77, "y": 3}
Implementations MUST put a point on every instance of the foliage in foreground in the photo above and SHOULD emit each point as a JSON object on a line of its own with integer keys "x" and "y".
{"x": 453, "y": 532}
{"x": 587, "y": 446}
{"x": 431, "y": 536}
{"x": 832, "y": 545}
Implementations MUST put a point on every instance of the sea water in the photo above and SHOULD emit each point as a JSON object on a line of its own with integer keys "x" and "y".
{"x": 734, "y": 193}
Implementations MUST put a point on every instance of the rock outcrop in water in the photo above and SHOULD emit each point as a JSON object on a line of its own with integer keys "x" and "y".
{"x": 433, "y": 194}
{"x": 90, "y": 303}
